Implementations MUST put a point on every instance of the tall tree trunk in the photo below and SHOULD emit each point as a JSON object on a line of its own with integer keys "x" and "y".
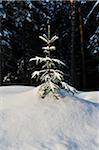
{"x": 72, "y": 42}
{"x": 24, "y": 54}
{"x": 0, "y": 68}
{"x": 0, "y": 63}
{"x": 82, "y": 48}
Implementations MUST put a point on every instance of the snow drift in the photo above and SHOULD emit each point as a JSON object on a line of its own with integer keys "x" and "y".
{"x": 91, "y": 96}
{"x": 30, "y": 123}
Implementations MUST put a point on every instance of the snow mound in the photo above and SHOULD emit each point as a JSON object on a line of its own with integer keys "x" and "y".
{"x": 8, "y": 90}
{"x": 91, "y": 96}
{"x": 30, "y": 123}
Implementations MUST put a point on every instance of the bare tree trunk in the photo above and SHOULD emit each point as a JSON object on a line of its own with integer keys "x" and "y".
{"x": 0, "y": 63}
{"x": 82, "y": 48}
{"x": 0, "y": 68}
{"x": 24, "y": 55}
{"x": 72, "y": 42}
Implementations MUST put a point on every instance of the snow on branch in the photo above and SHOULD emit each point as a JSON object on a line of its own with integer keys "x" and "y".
{"x": 37, "y": 73}
{"x": 93, "y": 44}
{"x": 58, "y": 61}
{"x": 51, "y": 48}
{"x": 46, "y": 59}
{"x": 48, "y": 41}
{"x": 68, "y": 88}
{"x": 91, "y": 11}
{"x": 37, "y": 59}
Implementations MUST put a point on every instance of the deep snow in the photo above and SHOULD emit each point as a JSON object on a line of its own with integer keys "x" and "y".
{"x": 91, "y": 96}
{"x": 30, "y": 123}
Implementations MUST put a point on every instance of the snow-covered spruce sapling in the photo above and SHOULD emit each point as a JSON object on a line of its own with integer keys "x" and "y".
{"x": 51, "y": 78}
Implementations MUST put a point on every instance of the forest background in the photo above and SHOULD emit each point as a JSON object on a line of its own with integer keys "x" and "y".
{"x": 76, "y": 25}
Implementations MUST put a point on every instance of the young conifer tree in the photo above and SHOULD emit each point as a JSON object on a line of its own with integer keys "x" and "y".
{"x": 51, "y": 78}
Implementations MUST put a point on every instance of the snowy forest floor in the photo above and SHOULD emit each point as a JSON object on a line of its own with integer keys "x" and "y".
{"x": 28, "y": 122}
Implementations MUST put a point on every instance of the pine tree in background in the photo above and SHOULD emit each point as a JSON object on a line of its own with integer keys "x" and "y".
{"x": 23, "y": 21}
{"x": 51, "y": 77}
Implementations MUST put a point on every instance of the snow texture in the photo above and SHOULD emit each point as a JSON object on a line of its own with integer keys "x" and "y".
{"x": 91, "y": 96}
{"x": 28, "y": 122}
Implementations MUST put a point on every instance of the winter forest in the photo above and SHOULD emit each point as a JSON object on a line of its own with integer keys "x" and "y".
{"x": 49, "y": 75}
{"x": 75, "y": 23}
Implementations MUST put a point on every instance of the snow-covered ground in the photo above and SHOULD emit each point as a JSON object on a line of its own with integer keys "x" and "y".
{"x": 91, "y": 96}
{"x": 9, "y": 90}
{"x": 30, "y": 123}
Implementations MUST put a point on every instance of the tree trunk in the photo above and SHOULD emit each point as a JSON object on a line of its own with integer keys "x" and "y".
{"x": 0, "y": 63}
{"x": 0, "y": 68}
{"x": 72, "y": 43}
{"x": 82, "y": 48}
{"x": 24, "y": 54}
